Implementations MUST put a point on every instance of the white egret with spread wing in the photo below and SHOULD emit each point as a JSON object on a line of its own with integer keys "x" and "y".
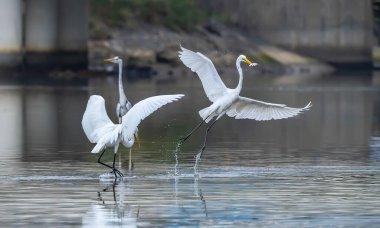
{"x": 101, "y": 130}
{"x": 228, "y": 101}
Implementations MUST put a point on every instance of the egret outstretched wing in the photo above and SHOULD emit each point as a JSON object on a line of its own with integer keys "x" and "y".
{"x": 200, "y": 64}
{"x": 95, "y": 121}
{"x": 108, "y": 135}
{"x": 143, "y": 109}
{"x": 246, "y": 108}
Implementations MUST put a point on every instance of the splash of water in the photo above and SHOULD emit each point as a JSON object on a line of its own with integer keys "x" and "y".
{"x": 107, "y": 177}
{"x": 176, "y": 151}
{"x": 197, "y": 159}
{"x": 176, "y": 189}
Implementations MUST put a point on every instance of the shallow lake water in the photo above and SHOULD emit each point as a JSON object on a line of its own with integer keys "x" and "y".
{"x": 321, "y": 168}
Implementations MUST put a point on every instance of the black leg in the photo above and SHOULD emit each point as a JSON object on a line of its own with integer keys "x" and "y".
{"x": 113, "y": 190}
{"x": 113, "y": 164}
{"x": 203, "y": 202}
{"x": 113, "y": 168}
{"x": 205, "y": 140}
{"x": 113, "y": 185}
{"x": 184, "y": 138}
{"x": 101, "y": 161}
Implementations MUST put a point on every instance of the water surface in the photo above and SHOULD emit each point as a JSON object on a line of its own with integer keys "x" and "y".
{"x": 319, "y": 169}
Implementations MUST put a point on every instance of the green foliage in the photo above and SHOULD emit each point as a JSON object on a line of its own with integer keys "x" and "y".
{"x": 175, "y": 14}
{"x": 262, "y": 58}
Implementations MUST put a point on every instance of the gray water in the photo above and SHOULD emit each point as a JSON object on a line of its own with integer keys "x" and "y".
{"x": 319, "y": 169}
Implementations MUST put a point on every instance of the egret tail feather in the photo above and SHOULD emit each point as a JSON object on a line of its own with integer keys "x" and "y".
{"x": 205, "y": 114}
{"x": 98, "y": 148}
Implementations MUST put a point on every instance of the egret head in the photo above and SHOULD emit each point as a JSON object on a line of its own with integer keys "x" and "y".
{"x": 243, "y": 58}
{"x": 115, "y": 59}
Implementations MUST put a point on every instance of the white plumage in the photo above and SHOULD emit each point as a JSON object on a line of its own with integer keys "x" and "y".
{"x": 200, "y": 64}
{"x": 227, "y": 101}
{"x": 101, "y": 130}
{"x": 95, "y": 121}
{"x": 247, "y": 108}
{"x": 123, "y": 106}
{"x": 143, "y": 109}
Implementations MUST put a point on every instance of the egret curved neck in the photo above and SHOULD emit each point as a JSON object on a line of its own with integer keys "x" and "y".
{"x": 240, "y": 84}
{"x": 122, "y": 97}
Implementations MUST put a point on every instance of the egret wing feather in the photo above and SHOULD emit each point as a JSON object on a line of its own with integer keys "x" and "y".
{"x": 95, "y": 121}
{"x": 143, "y": 109}
{"x": 247, "y": 108}
{"x": 109, "y": 135}
{"x": 205, "y": 69}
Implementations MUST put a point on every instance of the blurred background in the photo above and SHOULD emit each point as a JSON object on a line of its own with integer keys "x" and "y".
{"x": 52, "y": 51}
{"x": 77, "y": 34}
{"x": 320, "y": 168}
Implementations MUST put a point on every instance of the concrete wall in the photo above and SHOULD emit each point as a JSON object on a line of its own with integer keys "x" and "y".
{"x": 332, "y": 30}
{"x": 11, "y": 32}
{"x": 73, "y": 25}
{"x": 73, "y": 31}
{"x": 41, "y": 25}
{"x": 41, "y": 22}
{"x": 43, "y": 32}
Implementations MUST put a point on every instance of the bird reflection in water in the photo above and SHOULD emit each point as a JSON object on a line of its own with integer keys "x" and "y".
{"x": 112, "y": 212}
{"x": 199, "y": 194}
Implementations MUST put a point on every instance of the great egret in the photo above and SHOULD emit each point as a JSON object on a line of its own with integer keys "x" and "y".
{"x": 123, "y": 106}
{"x": 101, "y": 130}
{"x": 227, "y": 101}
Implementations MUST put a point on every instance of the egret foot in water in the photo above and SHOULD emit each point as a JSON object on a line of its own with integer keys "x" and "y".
{"x": 117, "y": 172}
{"x": 114, "y": 170}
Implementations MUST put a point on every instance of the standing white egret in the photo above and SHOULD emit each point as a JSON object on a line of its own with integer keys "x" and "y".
{"x": 101, "y": 130}
{"x": 123, "y": 106}
{"x": 227, "y": 101}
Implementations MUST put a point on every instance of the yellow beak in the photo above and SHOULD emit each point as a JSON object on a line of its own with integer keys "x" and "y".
{"x": 108, "y": 60}
{"x": 247, "y": 61}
